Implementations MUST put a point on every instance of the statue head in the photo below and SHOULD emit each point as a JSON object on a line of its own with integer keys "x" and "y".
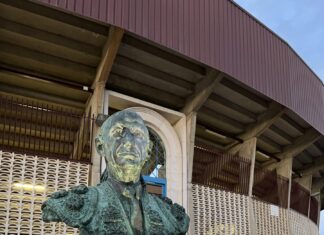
{"x": 123, "y": 141}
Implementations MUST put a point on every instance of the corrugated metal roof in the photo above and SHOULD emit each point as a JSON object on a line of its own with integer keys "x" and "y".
{"x": 222, "y": 35}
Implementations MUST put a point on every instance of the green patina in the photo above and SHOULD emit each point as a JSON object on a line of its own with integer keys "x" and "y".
{"x": 120, "y": 203}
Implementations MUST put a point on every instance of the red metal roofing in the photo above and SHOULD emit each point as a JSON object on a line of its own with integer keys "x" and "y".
{"x": 220, "y": 34}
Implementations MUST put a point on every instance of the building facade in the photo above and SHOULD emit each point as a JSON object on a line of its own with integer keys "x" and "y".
{"x": 235, "y": 115}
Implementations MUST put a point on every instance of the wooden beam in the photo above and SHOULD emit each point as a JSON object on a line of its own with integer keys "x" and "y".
{"x": 161, "y": 64}
{"x": 226, "y": 102}
{"x": 317, "y": 185}
{"x": 299, "y": 145}
{"x": 152, "y": 77}
{"x": 49, "y": 43}
{"x": 33, "y": 9}
{"x": 108, "y": 55}
{"x": 181, "y": 62}
{"x": 313, "y": 168}
{"x": 49, "y": 98}
{"x": 145, "y": 92}
{"x": 103, "y": 70}
{"x": 263, "y": 122}
{"x": 244, "y": 92}
{"x": 203, "y": 89}
{"x": 21, "y": 57}
{"x": 95, "y": 34}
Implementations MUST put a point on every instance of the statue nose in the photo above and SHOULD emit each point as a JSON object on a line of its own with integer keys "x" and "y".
{"x": 128, "y": 144}
{"x": 129, "y": 140}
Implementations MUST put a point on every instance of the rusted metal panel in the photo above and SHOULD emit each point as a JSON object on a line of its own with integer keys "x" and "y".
{"x": 220, "y": 34}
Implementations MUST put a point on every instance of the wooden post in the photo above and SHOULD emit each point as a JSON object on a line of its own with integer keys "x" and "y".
{"x": 284, "y": 169}
{"x": 306, "y": 182}
{"x": 191, "y": 132}
{"x": 248, "y": 149}
{"x": 97, "y": 104}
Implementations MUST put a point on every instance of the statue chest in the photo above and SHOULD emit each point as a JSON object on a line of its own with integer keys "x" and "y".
{"x": 116, "y": 215}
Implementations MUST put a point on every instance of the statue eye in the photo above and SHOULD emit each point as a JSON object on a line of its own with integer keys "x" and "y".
{"x": 118, "y": 131}
{"x": 138, "y": 133}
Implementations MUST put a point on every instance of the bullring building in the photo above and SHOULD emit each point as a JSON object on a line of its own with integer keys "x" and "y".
{"x": 235, "y": 115}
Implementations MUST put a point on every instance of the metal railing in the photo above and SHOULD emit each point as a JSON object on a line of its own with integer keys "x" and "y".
{"x": 35, "y": 128}
{"x": 313, "y": 210}
{"x": 221, "y": 170}
{"x": 299, "y": 198}
{"x": 270, "y": 187}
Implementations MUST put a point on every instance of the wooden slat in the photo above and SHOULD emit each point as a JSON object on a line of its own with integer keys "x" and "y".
{"x": 108, "y": 55}
{"x": 32, "y": 60}
{"x": 147, "y": 93}
{"x": 151, "y": 76}
{"x": 49, "y": 43}
{"x": 51, "y": 20}
{"x": 203, "y": 89}
{"x": 154, "y": 61}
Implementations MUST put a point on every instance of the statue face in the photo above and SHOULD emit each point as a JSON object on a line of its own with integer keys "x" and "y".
{"x": 124, "y": 144}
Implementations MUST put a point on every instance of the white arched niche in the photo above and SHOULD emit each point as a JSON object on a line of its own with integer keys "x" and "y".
{"x": 171, "y": 127}
{"x": 173, "y": 150}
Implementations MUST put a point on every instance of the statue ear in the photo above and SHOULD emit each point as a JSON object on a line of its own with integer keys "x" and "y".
{"x": 99, "y": 145}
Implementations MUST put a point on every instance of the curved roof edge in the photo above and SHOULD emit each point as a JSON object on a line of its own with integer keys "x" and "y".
{"x": 221, "y": 35}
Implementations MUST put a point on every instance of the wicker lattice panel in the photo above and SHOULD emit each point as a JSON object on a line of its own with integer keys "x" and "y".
{"x": 270, "y": 221}
{"x": 301, "y": 225}
{"x": 219, "y": 212}
{"x": 25, "y": 182}
{"x": 313, "y": 228}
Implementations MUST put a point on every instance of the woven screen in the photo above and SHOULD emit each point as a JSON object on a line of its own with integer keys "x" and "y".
{"x": 301, "y": 225}
{"x": 219, "y": 212}
{"x": 270, "y": 219}
{"x": 25, "y": 182}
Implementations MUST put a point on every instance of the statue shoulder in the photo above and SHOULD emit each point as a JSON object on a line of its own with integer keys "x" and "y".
{"x": 74, "y": 207}
{"x": 174, "y": 211}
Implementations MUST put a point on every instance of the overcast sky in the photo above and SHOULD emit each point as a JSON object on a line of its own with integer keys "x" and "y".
{"x": 301, "y": 24}
{"x": 298, "y": 22}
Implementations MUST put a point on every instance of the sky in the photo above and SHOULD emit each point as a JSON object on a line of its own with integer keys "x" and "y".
{"x": 301, "y": 24}
{"x": 298, "y": 22}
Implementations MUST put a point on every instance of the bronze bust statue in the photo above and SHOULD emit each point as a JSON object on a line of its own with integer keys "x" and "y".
{"x": 119, "y": 204}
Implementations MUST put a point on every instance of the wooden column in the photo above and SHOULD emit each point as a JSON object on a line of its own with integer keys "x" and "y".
{"x": 191, "y": 132}
{"x": 306, "y": 182}
{"x": 97, "y": 104}
{"x": 247, "y": 149}
{"x": 284, "y": 169}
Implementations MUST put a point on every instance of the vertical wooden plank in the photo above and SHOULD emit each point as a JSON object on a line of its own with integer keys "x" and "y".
{"x": 132, "y": 16}
{"x": 169, "y": 22}
{"x": 163, "y": 22}
{"x": 157, "y": 21}
{"x": 151, "y": 19}
{"x": 125, "y": 14}
{"x": 79, "y": 6}
{"x": 139, "y": 19}
{"x": 95, "y": 9}
{"x": 70, "y": 5}
{"x": 102, "y": 10}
